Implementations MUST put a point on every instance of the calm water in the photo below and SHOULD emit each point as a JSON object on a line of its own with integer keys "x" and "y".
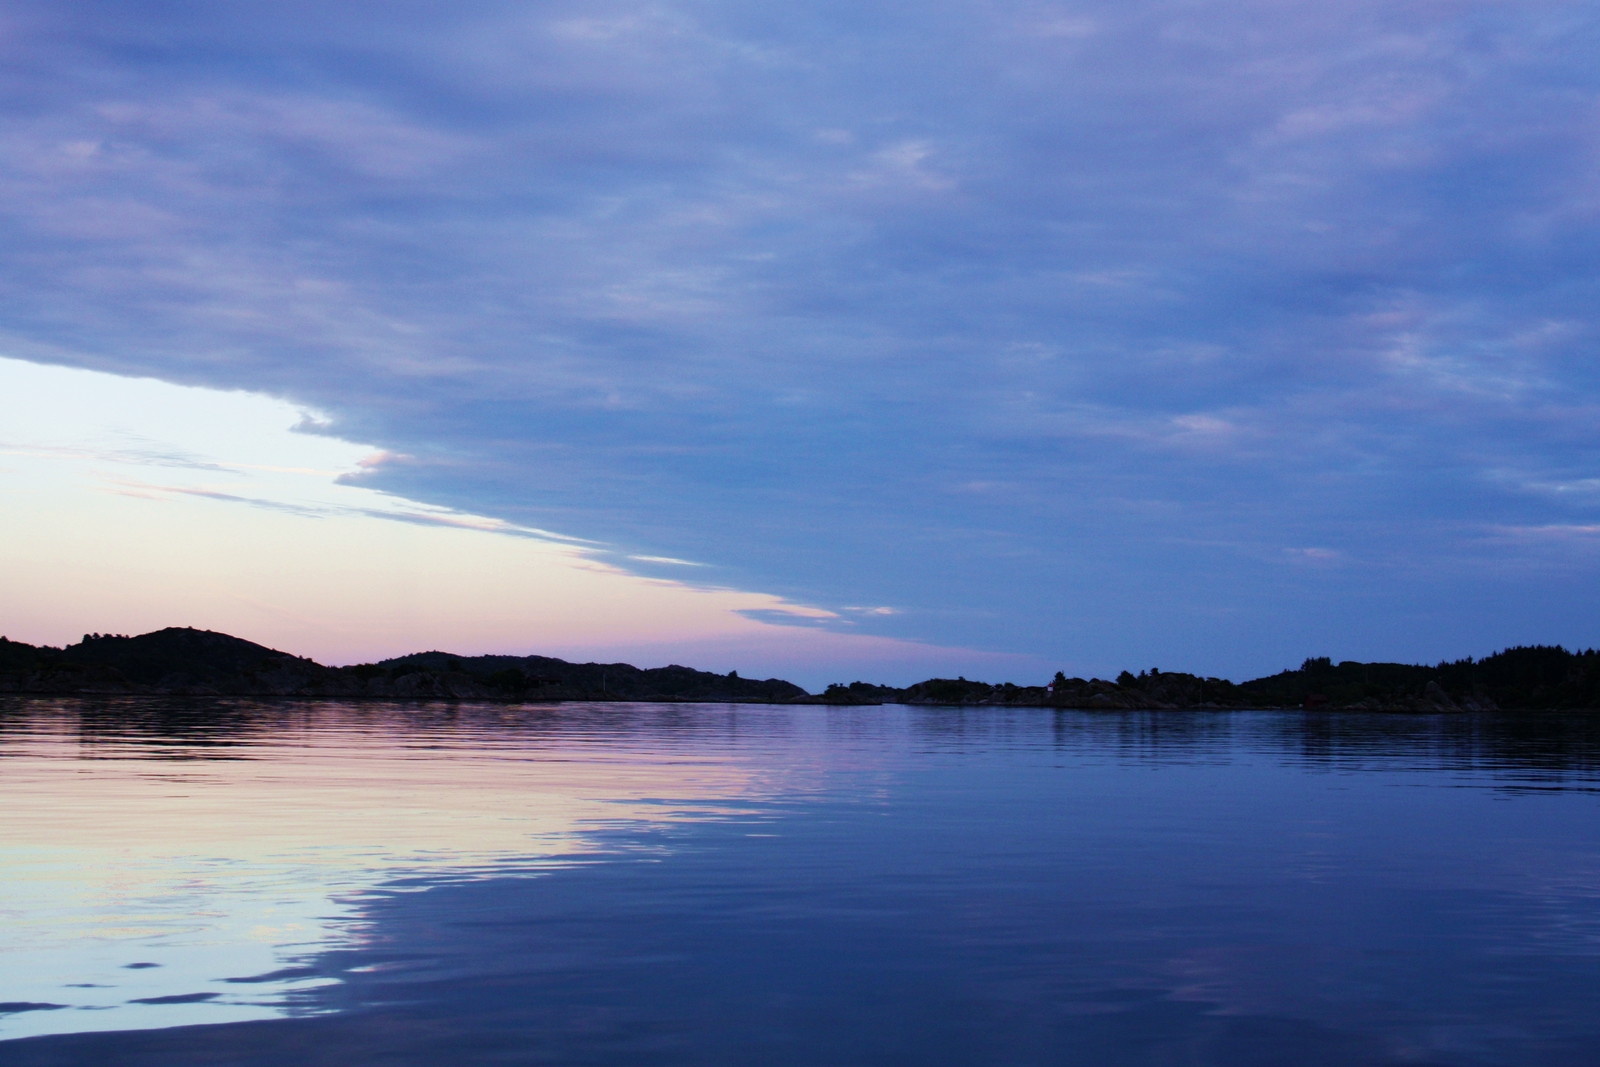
{"x": 237, "y": 883}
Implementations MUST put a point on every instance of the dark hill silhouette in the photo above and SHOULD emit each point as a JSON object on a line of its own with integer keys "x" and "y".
{"x": 176, "y": 656}
{"x": 182, "y": 660}
{"x": 174, "y": 660}
{"x": 1538, "y": 677}
{"x": 545, "y": 678}
{"x": 1524, "y": 677}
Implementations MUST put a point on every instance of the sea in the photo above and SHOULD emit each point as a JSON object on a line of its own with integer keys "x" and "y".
{"x": 238, "y": 882}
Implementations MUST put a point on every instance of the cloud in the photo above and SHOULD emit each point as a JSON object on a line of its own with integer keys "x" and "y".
{"x": 284, "y": 553}
{"x": 753, "y": 287}
{"x": 395, "y": 510}
{"x": 1556, "y": 533}
{"x": 778, "y": 617}
{"x": 1314, "y": 555}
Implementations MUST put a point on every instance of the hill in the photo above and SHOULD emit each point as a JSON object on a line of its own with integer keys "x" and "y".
{"x": 182, "y": 661}
{"x": 545, "y": 678}
{"x": 1530, "y": 678}
{"x": 186, "y": 661}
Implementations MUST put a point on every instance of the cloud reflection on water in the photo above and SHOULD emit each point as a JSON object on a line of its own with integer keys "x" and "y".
{"x": 795, "y": 885}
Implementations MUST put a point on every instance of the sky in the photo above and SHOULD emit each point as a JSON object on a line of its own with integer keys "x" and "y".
{"x": 145, "y": 504}
{"x": 1191, "y": 335}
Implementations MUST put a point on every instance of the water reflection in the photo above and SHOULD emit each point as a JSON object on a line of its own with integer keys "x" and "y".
{"x": 155, "y": 852}
{"x": 1531, "y": 748}
{"x": 699, "y": 885}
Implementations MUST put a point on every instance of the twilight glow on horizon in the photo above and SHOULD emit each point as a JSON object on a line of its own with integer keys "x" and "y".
{"x": 832, "y": 341}
{"x": 149, "y": 503}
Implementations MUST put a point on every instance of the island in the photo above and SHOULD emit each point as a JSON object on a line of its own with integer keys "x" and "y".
{"x": 183, "y": 661}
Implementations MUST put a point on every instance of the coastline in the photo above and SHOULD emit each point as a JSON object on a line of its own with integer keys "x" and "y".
{"x": 181, "y": 661}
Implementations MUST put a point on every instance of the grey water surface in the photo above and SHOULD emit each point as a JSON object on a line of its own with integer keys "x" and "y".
{"x": 234, "y": 882}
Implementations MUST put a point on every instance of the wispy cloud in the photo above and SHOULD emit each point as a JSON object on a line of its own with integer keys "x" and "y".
{"x": 782, "y": 617}
{"x": 1559, "y": 533}
{"x": 400, "y": 511}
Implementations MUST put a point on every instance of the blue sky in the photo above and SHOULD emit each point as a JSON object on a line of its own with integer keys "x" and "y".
{"x": 1204, "y": 336}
